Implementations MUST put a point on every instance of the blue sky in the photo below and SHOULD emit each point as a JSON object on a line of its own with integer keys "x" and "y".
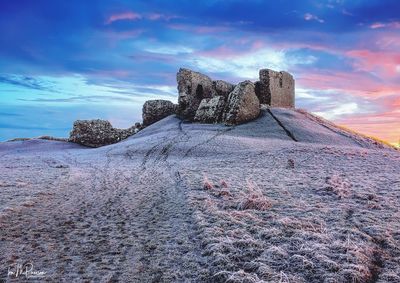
{"x": 67, "y": 60}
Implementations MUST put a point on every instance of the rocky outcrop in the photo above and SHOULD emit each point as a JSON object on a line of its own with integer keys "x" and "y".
{"x": 96, "y": 133}
{"x": 193, "y": 87}
{"x": 202, "y": 100}
{"x": 242, "y": 105}
{"x": 155, "y": 110}
{"x": 222, "y": 88}
{"x": 275, "y": 88}
{"x": 210, "y": 110}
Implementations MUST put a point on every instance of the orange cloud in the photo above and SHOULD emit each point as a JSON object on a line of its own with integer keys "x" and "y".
{"x": 385, "y": 126}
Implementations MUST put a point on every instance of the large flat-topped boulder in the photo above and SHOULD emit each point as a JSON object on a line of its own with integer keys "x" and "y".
{"x": 192, "y": 87}
{"x": 96, "y": 133}
{"x": 275, "y": 88}
{"x": 210, "y": 110}
{"x": 155, "y": 110}
{"x": 242, "y": 105}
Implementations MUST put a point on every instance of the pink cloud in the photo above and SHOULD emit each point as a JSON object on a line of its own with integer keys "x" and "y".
{"x": 355, "y": 84}
{"x": 221, "y": 52}
{"x": 132, "y": 16}
{"x": 385, "y": 63}
{"x": 129, "y": 16}
{"x": 377, "y": 25}
{"x": 384, "y": 123}
{"x": 231, "y": 51}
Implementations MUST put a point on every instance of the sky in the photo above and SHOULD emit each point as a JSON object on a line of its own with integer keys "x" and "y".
{"x": 66, "y": 60}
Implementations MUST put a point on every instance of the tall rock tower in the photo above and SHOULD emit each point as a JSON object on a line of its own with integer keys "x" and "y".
{"x": 275, "y": 88}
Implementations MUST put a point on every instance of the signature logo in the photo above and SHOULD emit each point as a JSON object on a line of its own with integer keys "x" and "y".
{"x": 26, "y": 270}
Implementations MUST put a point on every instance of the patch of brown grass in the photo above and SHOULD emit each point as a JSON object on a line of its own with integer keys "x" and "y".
{"x": 253, "y": 198}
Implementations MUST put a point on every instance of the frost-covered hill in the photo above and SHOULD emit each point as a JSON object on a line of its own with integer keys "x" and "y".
{"x": 285, "y": 198}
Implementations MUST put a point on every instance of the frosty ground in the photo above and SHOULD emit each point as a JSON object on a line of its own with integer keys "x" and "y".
{"x": 285, "y": 198}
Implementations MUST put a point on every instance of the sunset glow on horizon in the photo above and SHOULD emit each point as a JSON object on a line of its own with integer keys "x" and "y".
{"x": 68, "y": 60}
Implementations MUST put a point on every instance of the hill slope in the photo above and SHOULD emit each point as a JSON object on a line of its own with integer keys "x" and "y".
{"x": 285, "y": 198}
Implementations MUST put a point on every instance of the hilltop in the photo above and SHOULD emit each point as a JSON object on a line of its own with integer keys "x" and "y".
{"x": 287, "y": 197}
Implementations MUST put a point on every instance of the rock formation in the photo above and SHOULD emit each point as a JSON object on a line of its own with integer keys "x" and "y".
{"x": 201, "y": 100}
{"x": 275, "y": 88}
{"x": 222, "y": 88}
{"x": 96, "y": 133}
{"x": 242, "y": 105}
{"x": 192, "y": 88}
{"x": 155, "y": 110}
{"x": 210, "y": 110}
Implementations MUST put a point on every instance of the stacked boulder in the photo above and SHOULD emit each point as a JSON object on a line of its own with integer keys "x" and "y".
{"x": 204, "y": 100}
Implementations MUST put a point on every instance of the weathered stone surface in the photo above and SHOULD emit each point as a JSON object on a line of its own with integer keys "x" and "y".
{"x": 262, "y": 92}
{"x": 210, "y": 110}
{"x": 96, "y": 133}
{"x": 155, "y": 110}
{"x": 192, "y": 88}
{"x": 242, "y": 105}
{"x": 276, "y": 88}
{"x": 222, "y": 88}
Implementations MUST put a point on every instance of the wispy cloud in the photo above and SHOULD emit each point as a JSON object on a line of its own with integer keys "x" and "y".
{"x": 134, "y": 16}
{"x": 378, "y": 25}
{"x": 129, "y": 16}
{"x": 23, "y": 81}
{"x": 311, "y": 17}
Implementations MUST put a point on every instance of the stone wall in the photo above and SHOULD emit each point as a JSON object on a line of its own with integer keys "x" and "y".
{"x": 276, "y": 88}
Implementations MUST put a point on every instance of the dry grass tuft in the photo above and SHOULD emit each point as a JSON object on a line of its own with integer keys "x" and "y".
{"x": 338, "y": 185}
{"x": 207, "y": 184}
{"x": 254, "y": 202}
{"x": 254, "y": 198}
